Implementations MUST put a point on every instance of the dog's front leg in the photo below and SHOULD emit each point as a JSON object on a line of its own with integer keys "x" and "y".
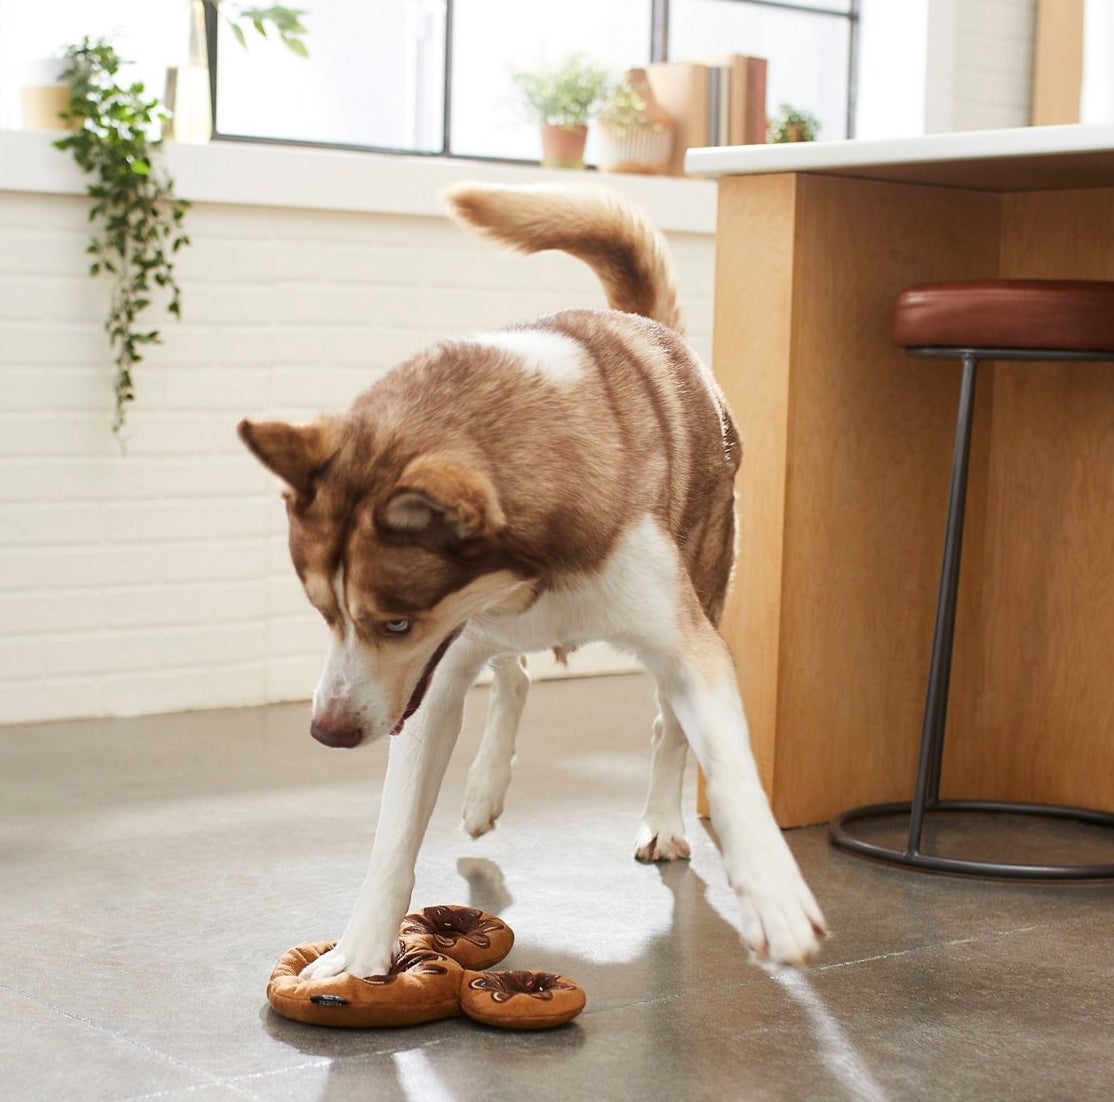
{"x": 486, "y": 789}
{"x": 415, "y": 768}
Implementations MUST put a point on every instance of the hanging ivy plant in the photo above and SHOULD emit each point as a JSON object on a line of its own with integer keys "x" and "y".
{"x": 136, "y": 217}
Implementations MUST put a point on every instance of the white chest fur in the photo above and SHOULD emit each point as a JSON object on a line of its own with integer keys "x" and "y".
{"x": 633, "y": 594}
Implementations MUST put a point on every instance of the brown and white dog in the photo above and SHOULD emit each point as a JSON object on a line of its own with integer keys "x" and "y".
{"x": 565, "y": 480}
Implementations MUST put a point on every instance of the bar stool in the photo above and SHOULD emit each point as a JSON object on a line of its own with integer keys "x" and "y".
{"x": 1012, "y": 320}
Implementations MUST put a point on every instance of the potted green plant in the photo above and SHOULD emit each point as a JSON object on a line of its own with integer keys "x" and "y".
{"x": 791, "y": 124}
{"x": 636, "y": 132}
{"x": 136, "y": 217}
{"x": 560, "y": 97}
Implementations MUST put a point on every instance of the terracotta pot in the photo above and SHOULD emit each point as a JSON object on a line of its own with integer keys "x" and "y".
{"x": 563, "y": 146}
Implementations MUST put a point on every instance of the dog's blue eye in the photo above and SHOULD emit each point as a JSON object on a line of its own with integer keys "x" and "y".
{"x": 396, "y": 627}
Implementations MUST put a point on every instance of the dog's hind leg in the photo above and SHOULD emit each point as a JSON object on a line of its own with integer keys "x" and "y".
{"x": 780, "y": 920}
{"x": 661, "y": 836}
{"x": 416, "y": 766}
{"x": 490, "y": 775}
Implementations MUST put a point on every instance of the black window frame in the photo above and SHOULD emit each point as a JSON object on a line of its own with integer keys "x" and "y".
{"x": 659, "y": 51}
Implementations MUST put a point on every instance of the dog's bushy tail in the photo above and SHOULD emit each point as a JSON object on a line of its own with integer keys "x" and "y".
{"x": 595, "y": 224}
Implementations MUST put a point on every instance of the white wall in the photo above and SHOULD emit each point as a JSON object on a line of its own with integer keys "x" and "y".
{"x": 892, "y": 49}
{"x": 1097, "y": 94}
{"x": 979, "y": 64}
{"x": 151, "y": 33}
{"x": 994, "y": 64}
{"x": 160, "y": 580}
{"x": 932, "y": 66}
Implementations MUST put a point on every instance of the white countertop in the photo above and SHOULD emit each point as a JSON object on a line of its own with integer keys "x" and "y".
{"x": 995, "y": 160}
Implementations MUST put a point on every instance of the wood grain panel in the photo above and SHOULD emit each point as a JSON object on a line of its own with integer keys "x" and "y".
{"x": 752, "y": 336}
{"x": 845, "y": 470}
{"x": 1036, "y": 716}
{"x": 1057, "y": 62}
{"x": 870, "y": 446}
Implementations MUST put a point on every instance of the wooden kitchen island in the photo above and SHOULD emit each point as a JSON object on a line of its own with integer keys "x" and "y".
{"x": 847, "y": 454}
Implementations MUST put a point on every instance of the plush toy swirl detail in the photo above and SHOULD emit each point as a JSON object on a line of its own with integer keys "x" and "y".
{"x": 440, "y": 971}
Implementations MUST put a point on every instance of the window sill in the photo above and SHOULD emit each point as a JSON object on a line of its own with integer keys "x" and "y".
{"x": 297, "y": 177}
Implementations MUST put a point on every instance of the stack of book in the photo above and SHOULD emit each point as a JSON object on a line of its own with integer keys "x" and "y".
{"x": 721, "y": 101}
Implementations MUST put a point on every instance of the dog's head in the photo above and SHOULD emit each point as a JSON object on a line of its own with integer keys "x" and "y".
{"x": 397, "y": 551}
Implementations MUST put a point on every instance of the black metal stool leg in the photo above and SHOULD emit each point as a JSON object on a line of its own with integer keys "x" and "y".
{"x": 926, "y": 794}
{"x": 926, "y": 791}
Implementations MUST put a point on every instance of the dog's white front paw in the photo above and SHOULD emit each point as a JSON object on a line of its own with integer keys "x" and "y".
{"x": 661, "y": 842}
{"x": 326, "y": 965}
{"x": 780, "y": 920}
{"x": 347, "y": 958}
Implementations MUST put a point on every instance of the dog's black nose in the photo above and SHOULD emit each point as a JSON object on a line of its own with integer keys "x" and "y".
{"x": 337, "y": 733}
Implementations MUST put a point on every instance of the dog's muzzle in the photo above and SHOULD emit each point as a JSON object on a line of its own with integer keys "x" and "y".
{"x": 336, "y": 733}
{"x": 339, "y": 731}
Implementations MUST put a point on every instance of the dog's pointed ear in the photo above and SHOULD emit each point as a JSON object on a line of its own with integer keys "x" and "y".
{"x": 296, "y": 453}
{"x": 439, "y": 495}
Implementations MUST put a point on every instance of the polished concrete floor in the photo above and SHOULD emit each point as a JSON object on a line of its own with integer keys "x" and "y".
{"x": 151, "y": 871}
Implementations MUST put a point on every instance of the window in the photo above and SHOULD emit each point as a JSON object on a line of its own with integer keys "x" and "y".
{"x": 808, "y": 47}
{"x": 374, "y": 79}
{"x": 489, "y": 36}
{"x": 432, "y": 76}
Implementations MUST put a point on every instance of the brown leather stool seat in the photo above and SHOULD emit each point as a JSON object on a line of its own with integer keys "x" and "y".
{"x": 1068, "y": 315}
{"x": 1001, "y": 319}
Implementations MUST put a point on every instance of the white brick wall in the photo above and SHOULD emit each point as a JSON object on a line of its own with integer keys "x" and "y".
{"x": 979, "y": 64}
{"x": 160, "y": 580}
{"x": 994, "y": 64}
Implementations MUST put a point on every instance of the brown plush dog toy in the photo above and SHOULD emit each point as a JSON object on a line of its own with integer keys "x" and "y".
{"x": 439, "y": 972}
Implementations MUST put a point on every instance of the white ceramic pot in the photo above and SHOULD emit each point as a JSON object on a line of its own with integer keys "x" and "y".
{"x": 634, "y": 149}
